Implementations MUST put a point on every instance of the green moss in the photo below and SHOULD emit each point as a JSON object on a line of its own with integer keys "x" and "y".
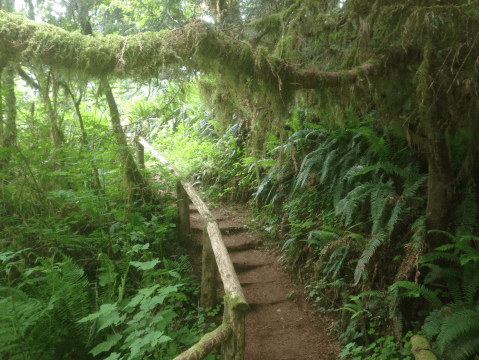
{"x": 235, "y": 303}
{"x": 421, "y": 348}
{"x": 234, "y": 314}
{"x": 199, "y": 347}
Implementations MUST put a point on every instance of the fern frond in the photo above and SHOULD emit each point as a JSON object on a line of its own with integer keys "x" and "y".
{"x": 411, "y": 186}
{"x": 264, "y": 184}
{"x": 465, "y": 213}
{"x": 312, "y": 159}
{"x": 434, "y": 274}
{"x": 338, "y": 264}
{"x": 326, "y": 164}
{"x": 335, "y": 262}
{"x": 367, "y": 254}
{"x": 286, "y": 244}
{"x": 433, "y": 323}
{"x": 451, "y": 276}
{"x": 379, "y": 198}
{"x": 470, "y": 283}
{"x": 398, "y": 210}
{"x": 463, "y": 347}
{"x": 347, "y": 205}
{"x": 435, "y": 255}
{"x": 424, "y": 291}
{"x": 459, "y": 322}
{"x": 372, "y": 293}
{"x": 470, "y": 253}
{"x": 378, "y": 144}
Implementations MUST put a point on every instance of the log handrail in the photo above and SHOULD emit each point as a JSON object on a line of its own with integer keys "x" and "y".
{"x": 231, "y": 333}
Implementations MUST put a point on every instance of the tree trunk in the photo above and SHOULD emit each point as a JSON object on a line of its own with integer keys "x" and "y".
{"x": 140, "y": 154}
{"x": 9, "y": 133}
{"x": 439, "y": 210}
{"x": 51, "y": 105}
{"x": 136, "y": 182}
{"x": 2, "y": 66}
{"x": 84, "y": 138}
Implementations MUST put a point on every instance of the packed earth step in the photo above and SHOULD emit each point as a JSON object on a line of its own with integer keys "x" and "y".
{"x": 279, "y": 325}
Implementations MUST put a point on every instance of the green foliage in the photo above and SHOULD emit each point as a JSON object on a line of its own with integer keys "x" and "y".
{"x": 454, "y": 321}
{"x": 41, "y": 308}
{"x": 382, "y": 348}
{"x": 353, "y": 171}
{"x": 85, "y": 270}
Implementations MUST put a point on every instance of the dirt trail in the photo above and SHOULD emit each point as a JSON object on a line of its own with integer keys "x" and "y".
{"x": 277, "y": 327}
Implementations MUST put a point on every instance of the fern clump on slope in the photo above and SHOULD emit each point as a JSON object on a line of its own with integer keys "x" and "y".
{"x": 358, "y": 171}
{"x": 39, "y": 314}
{"x": 355, "y": 169}
{"x": 453, "y": 324}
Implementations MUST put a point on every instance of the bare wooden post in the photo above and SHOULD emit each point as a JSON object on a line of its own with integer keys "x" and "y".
{"x": 208, "y": 276}
{"x": 234, "y": 315}
{"x": 140, "y": 154}
{"x": 183, "y": 215}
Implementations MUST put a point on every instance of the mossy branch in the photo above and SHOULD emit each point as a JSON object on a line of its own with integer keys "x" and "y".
{"x": 196, "y": 46}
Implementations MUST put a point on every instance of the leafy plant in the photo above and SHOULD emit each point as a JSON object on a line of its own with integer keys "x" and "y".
{"x": 454, "y": 321}
{"x": 380, "y": 349}
{"x": 40, "y": 310}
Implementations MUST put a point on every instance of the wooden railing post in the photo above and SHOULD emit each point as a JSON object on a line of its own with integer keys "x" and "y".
{"x": 234, "y": 315}
{"x": 208, "y": 276}
{"x": 183, "y": 205}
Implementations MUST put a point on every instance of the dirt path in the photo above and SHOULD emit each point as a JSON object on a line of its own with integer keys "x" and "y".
{"x": 277, "y": 327}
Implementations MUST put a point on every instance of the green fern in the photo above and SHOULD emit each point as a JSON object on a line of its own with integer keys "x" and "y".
{"x": 379, "y": 198}
{"x": 453, "y": 325}
{"x": 367, "y": 254}
{"x": 336, "y": 261}
{"x": 415, "y": 289}
{"x": 348, "y": 206}
{"x": 378, "y": 144}
{"x": 465, "y": 213}
{"x": 42, "y": 312}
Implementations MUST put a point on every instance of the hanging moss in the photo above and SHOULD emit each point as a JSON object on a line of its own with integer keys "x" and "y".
{"x": 388, "y": 44}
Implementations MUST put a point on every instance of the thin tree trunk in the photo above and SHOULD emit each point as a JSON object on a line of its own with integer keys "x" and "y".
{"x": 84, "y": 138}
{"x": 133, "y": 175}
{"x": 140, "y": 154}
{"x": 2, "y": 66}
{"x": 440, "y": 181}
{"x": 9, "y": 134}
{"x": 56, "y": 132}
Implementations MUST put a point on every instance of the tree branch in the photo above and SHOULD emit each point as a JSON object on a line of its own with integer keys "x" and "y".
{"x": 30, "y": 82}
{"x": 197, "y": 45}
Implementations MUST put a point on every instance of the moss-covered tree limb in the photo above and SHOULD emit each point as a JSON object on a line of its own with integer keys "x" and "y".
{"x": 197, "y": 45}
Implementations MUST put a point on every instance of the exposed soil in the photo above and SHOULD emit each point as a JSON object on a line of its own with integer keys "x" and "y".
{"x": 279, "y": 325}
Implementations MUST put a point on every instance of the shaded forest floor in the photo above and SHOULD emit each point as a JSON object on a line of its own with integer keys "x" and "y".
{"x": 279, "y": 325}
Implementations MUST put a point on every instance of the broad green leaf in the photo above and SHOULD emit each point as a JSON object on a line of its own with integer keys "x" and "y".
{"x": 145, "y": 265}
{"x": 113, "y": 356}
{"x": 110, "y": 319}
{"x": 111, "y": 341}
{"x": 104, "y": 309}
